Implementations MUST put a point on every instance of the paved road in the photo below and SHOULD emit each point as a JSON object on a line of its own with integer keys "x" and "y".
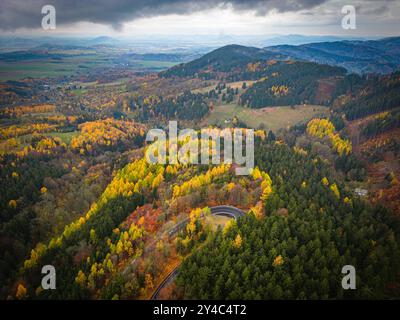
{"x": 227, "y": 211}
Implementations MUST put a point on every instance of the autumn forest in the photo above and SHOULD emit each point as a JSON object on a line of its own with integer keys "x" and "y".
{"x": 78, "y": 194}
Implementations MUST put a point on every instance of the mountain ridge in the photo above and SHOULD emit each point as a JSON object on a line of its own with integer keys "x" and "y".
{"x": 360, "y": 57}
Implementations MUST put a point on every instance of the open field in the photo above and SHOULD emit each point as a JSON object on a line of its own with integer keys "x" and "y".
{"x": 21, "y": 70}
{"x": 71, "y": 65}
{"x": 217, "y": 221}
{"x": 273, "y": 118}
{"x": 65, "y": 137}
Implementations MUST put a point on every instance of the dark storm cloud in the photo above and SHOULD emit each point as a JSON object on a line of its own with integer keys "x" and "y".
{"x": 27, "y": 13}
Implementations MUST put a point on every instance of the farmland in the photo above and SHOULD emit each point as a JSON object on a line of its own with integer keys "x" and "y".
{"x": 272, "y": 118}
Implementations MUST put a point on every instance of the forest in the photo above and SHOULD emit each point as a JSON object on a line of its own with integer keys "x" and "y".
{"x": 311, "y": 226}
{"x": 77, "y": 192}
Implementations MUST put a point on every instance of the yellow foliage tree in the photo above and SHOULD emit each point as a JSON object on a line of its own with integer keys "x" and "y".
{"x": 12, "y": 204}
{"x": 237, "y": 243}
{"x": 335, "y": 190}
{"x": 80, "y": 278}
{"x": 278, "y": 261}
{"x": 21, "y": 292}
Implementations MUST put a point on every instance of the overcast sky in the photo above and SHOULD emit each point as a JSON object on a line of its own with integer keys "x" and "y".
{"x": 164, "y": 17}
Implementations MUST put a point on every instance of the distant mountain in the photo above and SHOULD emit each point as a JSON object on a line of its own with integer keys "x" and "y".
{"x": 297, "y": 39}
{"x": 356, "y": 56}
{"x": 103, "y": 40}
{"x": 66, "y": 47}
{"x": 373, "y": 56}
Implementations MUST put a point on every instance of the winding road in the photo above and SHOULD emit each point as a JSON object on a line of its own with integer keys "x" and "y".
{"x": 227, "y": 211}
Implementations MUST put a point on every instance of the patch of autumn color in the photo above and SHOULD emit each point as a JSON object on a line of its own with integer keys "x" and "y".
{"x": 21, "y": 292}
{"x": 237, "y": 243}
{"x": 322, "y": 128}
{"x": 80, "y": 278}
{"x": 148, "y": 281}
{"x": 266, "y": 183}
{"x": 200, "y": 180}
{"x": 279, "y": 90}
{"x": 47, "y": 145}
{"x": 194, "y": 216}
{"x": 105, "y": 133}
{"x": 325, "y": 181}
{"x": 346, "y": 200}
{"x": 299, "y": 150}
{"x": 231, "y": 223}
{"x": 260, "y": 133}
{"x": 20, "y": 110}
{"x": 19, "y": 130}
{"x": 119, "y": 251}
{"x": 146, "y": 217}
{"x": 254, "y": 67}
{"x": 278, "y": 261}
{"x": 258, "y": 210}
{"x": 8, "y": 146}
{"x": 335, "y": 190}
{"x": 340, "y": 145}
{"x": 12, "y": 204}
{"x": 256, "y": 174}
{"x": 230, "y": 186}
{"x": 138, "y": 175}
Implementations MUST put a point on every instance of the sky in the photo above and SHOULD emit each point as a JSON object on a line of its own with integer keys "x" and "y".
{"x": 126, "y": 18}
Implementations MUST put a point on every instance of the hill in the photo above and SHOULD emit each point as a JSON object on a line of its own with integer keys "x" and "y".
{"x": 356, "y": 56}
{"x": 221, "y": 60}
{"x": 373, "y": 56}
{"x": 374, "y": 95}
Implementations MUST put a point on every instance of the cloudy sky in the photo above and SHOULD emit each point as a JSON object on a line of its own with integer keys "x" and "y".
{"x": 174, "y": 17}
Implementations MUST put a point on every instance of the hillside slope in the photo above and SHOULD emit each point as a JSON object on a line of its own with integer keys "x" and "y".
{"x": 380, "y": 56}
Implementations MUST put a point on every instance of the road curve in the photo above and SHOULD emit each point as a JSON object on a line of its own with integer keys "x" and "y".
{"x": 227, "y": 211}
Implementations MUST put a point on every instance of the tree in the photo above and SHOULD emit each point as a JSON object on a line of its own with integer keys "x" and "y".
{"x": 12, "y": 204}
{"x": 238, "y": 241}
{"x": 21, "y": 292}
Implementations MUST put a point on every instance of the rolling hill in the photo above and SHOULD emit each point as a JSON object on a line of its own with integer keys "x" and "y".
{"x": 374, "y": 56}
{"x": 222, "y": 60}
{"x": 362, "y": 57}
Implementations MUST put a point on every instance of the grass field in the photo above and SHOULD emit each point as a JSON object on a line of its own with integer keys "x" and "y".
{"x": 20, "y": 70}
{"x": 65, "y": 137}
{"x": 217, "y": 221}
{"x": 68, "y": 66}
{"x": 273, "y": 118}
